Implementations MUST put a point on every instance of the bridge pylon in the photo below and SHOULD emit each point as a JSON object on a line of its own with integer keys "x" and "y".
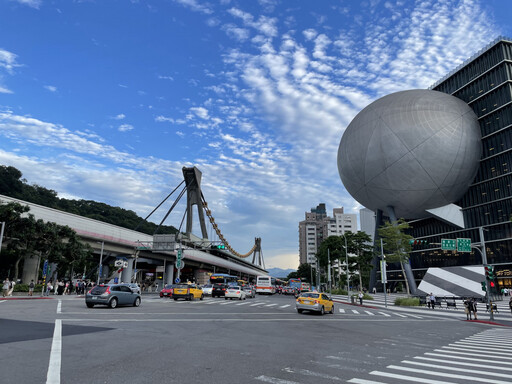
{"x": 192, "y": 178}
{"x": 257, "y": 255}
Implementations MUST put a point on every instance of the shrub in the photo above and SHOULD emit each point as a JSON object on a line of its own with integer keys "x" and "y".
{"x": 407, "y": 301}
{"x": 339, "y": 292}
{"x": 24, "y": 288}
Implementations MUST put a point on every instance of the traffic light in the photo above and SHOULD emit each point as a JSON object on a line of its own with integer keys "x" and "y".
{"x": 220, "y": 246}
{"x": 484, "y": 286}
{"x": 418, "y": 242}
{"x": 491, "y": 283}
{"x": 489, "y": 272}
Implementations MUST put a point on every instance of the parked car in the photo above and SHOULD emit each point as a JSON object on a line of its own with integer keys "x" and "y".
{"x": 249, "y": 291}
{"x": 314, "y": 301}
{"x": 133, "y": 286}
{"x": 207, "y": 289}
{"x": 219, "y": 290}
{"x": 187, "y": 291}
{"x": 235, "y": 292}
{"x": 167, "y": 291}
{"x": 112, "y": 295}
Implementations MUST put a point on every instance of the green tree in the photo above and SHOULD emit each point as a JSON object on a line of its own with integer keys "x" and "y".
{"x": 304, "y": 272}
{"x": 292, "y": 275}
{"x": 396, "y": 244}
{"x": 361, "y": 244}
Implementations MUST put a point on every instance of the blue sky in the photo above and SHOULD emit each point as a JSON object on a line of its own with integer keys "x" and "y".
{"x": 108, "y": 100}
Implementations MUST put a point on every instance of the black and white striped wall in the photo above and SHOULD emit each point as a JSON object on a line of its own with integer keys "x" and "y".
{"x": 453, "y": 281}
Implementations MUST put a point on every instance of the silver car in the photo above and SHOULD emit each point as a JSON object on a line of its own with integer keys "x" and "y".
{"x": 249, "y": 291}
{"x": 133, "y": 286}
{"x": 112, "y": 295}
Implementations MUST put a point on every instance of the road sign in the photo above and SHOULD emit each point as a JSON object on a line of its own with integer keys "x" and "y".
{"x": 181, "y": 265}
{"x": 448, "y": 244}
{"x": 45, "y": 268}
{"x": 177, "y": 280}
{"x": 463, "y": 245}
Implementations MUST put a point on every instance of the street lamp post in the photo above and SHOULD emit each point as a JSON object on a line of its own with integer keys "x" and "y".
{"x": 346, "y": 263}
{"x": 484, "y": 262}
{"x": 329, "y": 272}
{"x": 2, "y": 235}
{"x": 101, "y": 261}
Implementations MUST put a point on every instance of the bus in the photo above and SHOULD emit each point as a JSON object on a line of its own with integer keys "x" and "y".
{"x": 295, "y": 284}
{"x": 265, "y": 284}
{"x": 223, "y": 278}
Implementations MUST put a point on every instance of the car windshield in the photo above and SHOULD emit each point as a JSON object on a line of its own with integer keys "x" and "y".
{"x": 169, "y": 286}
{"x": 207, "y": 286}
{"x": 234, "y": 287}
{"x": 311, "y": 295}
{"x": 185, "y": 286}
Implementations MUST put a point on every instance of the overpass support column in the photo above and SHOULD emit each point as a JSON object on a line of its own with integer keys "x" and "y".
{"x": 169, "y": 273}
{"x": 126, "y": 275}
{"x": 31, "y": 269}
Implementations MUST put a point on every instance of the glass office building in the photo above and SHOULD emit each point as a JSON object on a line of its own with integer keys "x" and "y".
{"x": 484, "y": 82}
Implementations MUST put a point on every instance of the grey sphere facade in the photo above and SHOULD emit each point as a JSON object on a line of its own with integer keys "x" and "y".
{"x": 413, "y": 150}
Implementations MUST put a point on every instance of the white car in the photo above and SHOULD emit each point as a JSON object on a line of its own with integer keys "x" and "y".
{"x": 133, "y": 286}
{"x": 207, "y": 289}
{"x": 235, "y": 292}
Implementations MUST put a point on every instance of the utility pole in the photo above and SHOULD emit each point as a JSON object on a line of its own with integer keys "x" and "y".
{"x": 329, "y": 273}
{"x": 383, "y": 273}
{"x": 346, "y": 263}
{"x": 484, "y": 262}
{"x": 2, "y": 235}
{"x": 101, "y": 261}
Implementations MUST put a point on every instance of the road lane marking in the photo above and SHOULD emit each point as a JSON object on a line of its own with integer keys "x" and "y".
{"x": 361, "y": 381}
{"x": 274, "y": 380}
{"x": 302, "y": 318}
{"x": 284, "y": 306}
{"x": 3, "y": 301}
{"x": 355, "y": 311}
{"x": 243, "y": 303}
{"x": 460, "y": 363}
{"x": 341, "y": 310}
{"x": 370, "y": 313}
{"x": 465, "y": 370}
{"x": 270, "y": 305}
{"x": 415, "y": 316}
{"x": 53, "y": 376}
{"x": 59, "y": 306}
{"x": 409, "y": 378}
{"x": 470, "y": 378}
{"x": 466, "y": 358}
{"x": 307, "y": 372}
{"x": 385, "y": 314}
{"x": 398, "y": 314}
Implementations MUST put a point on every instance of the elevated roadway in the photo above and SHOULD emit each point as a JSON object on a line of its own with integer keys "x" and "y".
{"x": 136, "y": 248}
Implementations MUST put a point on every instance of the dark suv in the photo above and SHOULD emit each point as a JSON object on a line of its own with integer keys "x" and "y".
{"x": 219, "y": 290}
{"x": 112, "y": 295}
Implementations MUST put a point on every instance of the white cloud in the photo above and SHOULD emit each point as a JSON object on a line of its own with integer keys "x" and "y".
{"x": 4, "y": 90}
{"x": 200, "y": 112}
{"x": 166, "y": 77}
{"x": 50, "y": 88}
{"x": 195, "y": 6}
{"x": 121, "y": 116}
{"x": 8, "y": 60}
{"x": 162, "y": 119}
{"x": 31, "y": 3}
{"x": 125, "y": 127}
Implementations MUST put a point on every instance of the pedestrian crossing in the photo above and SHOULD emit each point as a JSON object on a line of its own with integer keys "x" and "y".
{"x": 485, "y": 357}
{"x": 272, "y": 305}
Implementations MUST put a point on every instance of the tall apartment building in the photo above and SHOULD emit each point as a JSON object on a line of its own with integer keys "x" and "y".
{"x": 484, "y": 82}
{"x": 317, "y": 226}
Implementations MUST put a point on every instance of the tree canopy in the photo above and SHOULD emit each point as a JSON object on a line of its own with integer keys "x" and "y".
{"x": 13, "y": 185}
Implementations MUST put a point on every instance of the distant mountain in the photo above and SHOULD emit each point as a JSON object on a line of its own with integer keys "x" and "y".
{"x": 278, "y": 272}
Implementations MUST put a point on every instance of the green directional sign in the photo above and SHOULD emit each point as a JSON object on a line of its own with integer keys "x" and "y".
{"x": 178, "y": 259}
{"x": 463, "y": 245}
{"x": 448, "y": 244}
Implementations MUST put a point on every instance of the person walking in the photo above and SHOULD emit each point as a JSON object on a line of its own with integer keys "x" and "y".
{"x": 360, "y": 295}
{"x": 473, "y": 307}
{"x": 11, "y": 288}
{"x": 427, "y": 300}
{"x": 49, "y": 287}
{"x": 510, "y": 304}
{"x": 466, "y": 309}
{"x": 31, "y": 288}
{"x": 5, "y": 287}
{"x": 432, "y": 300}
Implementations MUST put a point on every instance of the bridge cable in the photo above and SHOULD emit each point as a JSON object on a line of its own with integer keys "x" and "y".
{"x": 170, "y": 210}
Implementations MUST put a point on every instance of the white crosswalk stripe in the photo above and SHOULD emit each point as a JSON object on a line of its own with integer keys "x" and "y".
{"x": 462, "y": 361}
{"x": 341, "y": 310}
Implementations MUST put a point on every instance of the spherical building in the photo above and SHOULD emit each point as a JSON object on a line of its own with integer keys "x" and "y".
{"x": 412, "y": 150}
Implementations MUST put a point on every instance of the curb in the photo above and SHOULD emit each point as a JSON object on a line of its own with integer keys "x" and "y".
{"x": 26, "y": 298}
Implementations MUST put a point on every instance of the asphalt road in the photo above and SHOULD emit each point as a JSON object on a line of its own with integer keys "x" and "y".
{"x": 253, "y": 341}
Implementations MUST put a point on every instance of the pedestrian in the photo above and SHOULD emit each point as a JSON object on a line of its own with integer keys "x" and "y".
{"x": 360, "y": 295}
{"x": 427, "y": 300}
{"x": 11, "y": 288}
{"x": 466, "y": 309}
{"x": 49, "y": 288}
{"x": 374, "y": 290}
{"x": 510, "y": 304}
{"x": 432, "y": 300}
{"x": 5, "y": 287}
{"x": 60, "y": 289}
{"x": 31, "y": 288}
{"x": 473, "y": 307}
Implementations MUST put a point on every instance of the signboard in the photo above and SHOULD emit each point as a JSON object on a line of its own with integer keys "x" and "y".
{"x": 45, "y": 268}
{"x": 383, "y": 274}
{"x": 118, "y": 263}
{"x": 463, "y": 245}
{"x": 178, "y": 259}
{"x": 177, "y": 280}
{"x": 116, "y": 280}
{"x": 182, "y": 264}
{"x": 448, "y": 244}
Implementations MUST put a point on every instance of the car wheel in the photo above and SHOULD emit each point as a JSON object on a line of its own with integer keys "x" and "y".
{"x": 225, "y": 298}
{"x": 113, "y": 303}
{"x": 332, "y": 310}
{"x": 175, "y": 299}
{"x": 136, "y": 303}
{"x": 240, "y": 298}
{"x": 89, "y": 305}
{"x": 202, "y": 297}
{"x": 299, "y": 310}
{"x": 322, "y": 311}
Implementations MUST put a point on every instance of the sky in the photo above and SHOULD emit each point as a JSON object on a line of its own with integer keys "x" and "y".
{"x": 108, "y": 100}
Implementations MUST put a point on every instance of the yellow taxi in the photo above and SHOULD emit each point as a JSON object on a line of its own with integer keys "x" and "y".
{"x": 188, "y": 292}
{"x": 314, "y": 301}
